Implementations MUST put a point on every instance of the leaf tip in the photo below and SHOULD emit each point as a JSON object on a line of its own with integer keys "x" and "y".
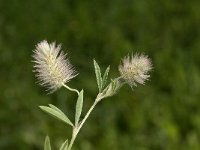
{"x": 41, "y": 107}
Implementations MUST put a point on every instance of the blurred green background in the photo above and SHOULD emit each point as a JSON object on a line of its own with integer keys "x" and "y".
{"x": 162, "y": 115}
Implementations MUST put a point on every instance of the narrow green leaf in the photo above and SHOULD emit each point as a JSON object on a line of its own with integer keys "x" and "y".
{"x": 79, "y": 106}
{"x": 64, "y": 146}
{"x": 113, "y": 84}
{"x": 105, "y": 77}
{"x": 98, "y": 75}
{"x": 47, "y": 145}
{"x": 56, "y": 108}
{"x": 57, "y": 114}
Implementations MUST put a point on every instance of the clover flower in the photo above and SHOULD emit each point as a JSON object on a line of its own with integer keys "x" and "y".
{"x": 135, "y": 68}
{"x": 52, "y": 67}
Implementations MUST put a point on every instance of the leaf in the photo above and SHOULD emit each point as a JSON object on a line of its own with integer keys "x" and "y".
{"x": 55, "y": 108}
{"x": 64, "y": 146}
{"x": 115, "y": 84}
{"x": 105, "y": 77}
{"x": 79, "y": 106}
{"x": 98, "y": 75}
{"x": 56, "y": 113}
{"x": 47, "y": 145}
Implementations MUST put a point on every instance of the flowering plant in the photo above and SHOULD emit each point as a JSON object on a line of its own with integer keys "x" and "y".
{"x": 54, "y": 70}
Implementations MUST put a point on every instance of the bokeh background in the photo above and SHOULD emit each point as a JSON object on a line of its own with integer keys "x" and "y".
{"x": 162, "y": 115}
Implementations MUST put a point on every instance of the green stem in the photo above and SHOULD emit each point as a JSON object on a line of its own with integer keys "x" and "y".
{"x": 72, "y": 139}
{"x": 71, "y": 89}
{"x": 86, "y": 116}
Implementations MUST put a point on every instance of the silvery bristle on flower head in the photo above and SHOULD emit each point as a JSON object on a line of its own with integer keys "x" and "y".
{"x": 135, "y": 69}
{"x": 52, "y": 67}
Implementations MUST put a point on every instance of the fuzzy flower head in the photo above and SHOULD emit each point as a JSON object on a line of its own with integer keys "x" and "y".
{"x": 51, "y": 66}
{"x": 135, "y": 69}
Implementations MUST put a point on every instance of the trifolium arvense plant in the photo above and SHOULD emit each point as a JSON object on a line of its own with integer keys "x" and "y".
{"x": 53, "y": 71}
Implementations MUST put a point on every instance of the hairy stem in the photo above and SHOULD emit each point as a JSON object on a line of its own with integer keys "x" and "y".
{"x": 71, "y": 89}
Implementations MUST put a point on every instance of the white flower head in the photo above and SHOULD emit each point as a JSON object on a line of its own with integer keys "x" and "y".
{"x": 135, "y": 68}
{"x": 52, "y": 67}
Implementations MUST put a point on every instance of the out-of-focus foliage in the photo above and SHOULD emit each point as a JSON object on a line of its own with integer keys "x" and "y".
{"x": 163, "y": 115}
